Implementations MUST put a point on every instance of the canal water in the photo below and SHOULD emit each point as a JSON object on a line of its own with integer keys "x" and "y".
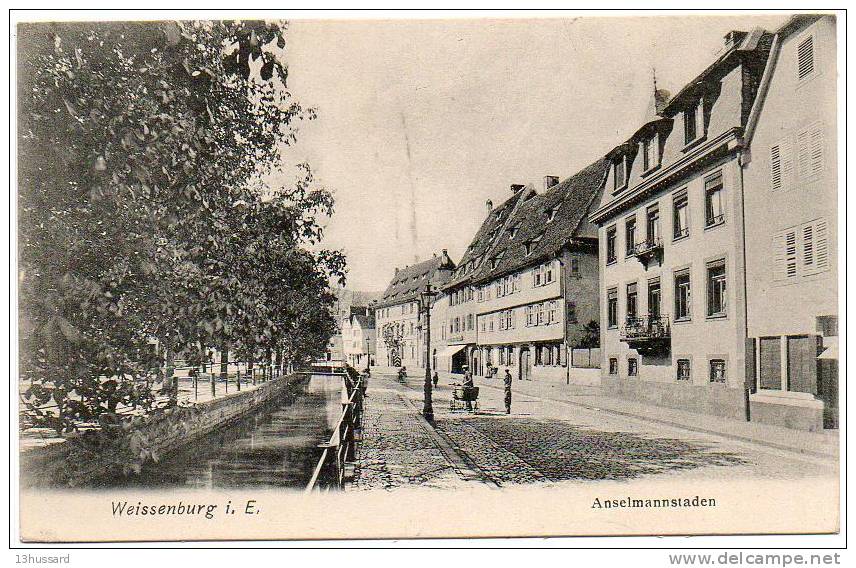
{"x": 274, "y": 447}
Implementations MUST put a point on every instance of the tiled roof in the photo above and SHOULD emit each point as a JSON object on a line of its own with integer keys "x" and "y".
{"x": 567, "y": 202}
{"x": 409, "y": 281}
{"x": 486, "y": 237}
{"x": 757, "y": 40}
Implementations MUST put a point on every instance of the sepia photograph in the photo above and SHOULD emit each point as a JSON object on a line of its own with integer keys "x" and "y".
{"x": 426, "y": 276}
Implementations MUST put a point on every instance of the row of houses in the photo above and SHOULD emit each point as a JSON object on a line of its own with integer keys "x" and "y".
{"x": 700, "y": 252}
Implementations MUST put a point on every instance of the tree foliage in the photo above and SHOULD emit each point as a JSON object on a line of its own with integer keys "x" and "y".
{"x": 142, "y": 212}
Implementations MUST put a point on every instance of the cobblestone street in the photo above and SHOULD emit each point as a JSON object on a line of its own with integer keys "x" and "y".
{"x": 546, "y": 441}
{"x": 398, "y": 448}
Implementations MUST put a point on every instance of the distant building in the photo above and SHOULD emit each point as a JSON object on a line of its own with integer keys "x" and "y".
{"x": 359, "y": 337}
{"x": 398, "y": 317}
{"x": 346, "y": 301}
{"x": 791, "y": 192}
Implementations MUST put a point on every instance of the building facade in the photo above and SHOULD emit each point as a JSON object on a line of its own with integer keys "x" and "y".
{"x": 526, "y": 288}
{"x": 398, "y": 314}
{"x": 717, "y": 263}
{"x": 359, "y": 337}
{"x": 790, "y": 173}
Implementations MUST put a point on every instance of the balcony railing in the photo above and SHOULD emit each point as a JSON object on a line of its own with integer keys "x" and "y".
{"x": 650, "y": 335}
{"x": 649, "y": 249}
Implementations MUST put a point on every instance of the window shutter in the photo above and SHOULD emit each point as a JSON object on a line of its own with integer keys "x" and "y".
{"x": 803, "y": 154}
{"x": 775, "y": 167}
{"x": 790, "y": 254}
{"x": 815, "y": 247}
{"x": 815, "y": 149}
{"x": 805, "y": 57}
{"x": 785, "y": 255}
{"x": 808, "y": 249}
{"x": 810, "y": 151}
{"x": 821, "y": 246}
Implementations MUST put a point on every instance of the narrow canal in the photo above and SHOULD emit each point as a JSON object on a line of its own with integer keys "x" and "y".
{"x": 275, "y": 447}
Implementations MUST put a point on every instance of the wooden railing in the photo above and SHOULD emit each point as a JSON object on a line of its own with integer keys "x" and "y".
{"x": 336, "y": 465}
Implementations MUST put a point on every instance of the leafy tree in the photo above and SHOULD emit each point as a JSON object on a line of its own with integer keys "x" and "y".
{"x": 143, "y": 218}
{"x": 590, "y": 338}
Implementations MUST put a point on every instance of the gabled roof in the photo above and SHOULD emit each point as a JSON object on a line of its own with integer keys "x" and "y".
{"x": 366, "y": 321}
{"x": 570, "y": 200}
{"x": 482, "y": 243}
{"x": 409, "y": 281}
{"x": 755, "y": 40}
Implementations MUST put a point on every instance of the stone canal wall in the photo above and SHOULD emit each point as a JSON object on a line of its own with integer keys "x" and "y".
{"x": 82, "y": 459}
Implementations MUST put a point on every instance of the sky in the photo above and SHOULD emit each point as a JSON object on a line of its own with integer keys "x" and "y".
{"x": 421, "y": 121}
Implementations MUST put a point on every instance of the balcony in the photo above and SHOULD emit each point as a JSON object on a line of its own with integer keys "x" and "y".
{"x": 648, "y": 250}
{"x": 649, "y": 335}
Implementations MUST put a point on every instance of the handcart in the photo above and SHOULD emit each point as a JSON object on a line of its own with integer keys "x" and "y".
{"x": 464, "y": 398}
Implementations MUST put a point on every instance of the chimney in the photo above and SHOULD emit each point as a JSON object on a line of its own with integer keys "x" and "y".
{"x": 550, "y": 181}
{"x": 396, "y": 271}
{"x": 446, "y": 259}
{"x": 516, "y": 187}
{"x": 489, "y": 205}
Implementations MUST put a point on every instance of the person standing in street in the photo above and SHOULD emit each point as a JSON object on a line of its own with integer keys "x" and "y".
{"x": 436, "y": 379}
{"x": 507, "y": 381}
{"x": 468, "y": 383}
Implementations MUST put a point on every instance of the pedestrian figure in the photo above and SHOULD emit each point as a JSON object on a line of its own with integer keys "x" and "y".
{"x": 507, "y": 381}
{"x": 436, "y": 379}
{"x": 468, "y": 383}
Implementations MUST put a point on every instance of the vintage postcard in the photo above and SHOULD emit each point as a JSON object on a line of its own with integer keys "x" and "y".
{"x": 426, "y": 277}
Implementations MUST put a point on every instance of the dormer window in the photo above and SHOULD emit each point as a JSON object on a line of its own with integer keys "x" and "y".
{"x": 693, "y": 122}
{"x": 529, "y": 245}
{"x": 619, "y": 168}
{"x": 650, "y": 151}
{"x": 551, "y": 213}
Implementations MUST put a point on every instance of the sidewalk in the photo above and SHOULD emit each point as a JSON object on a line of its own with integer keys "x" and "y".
{"x": 399, "y": 448}
{"x": 824, "y": 444}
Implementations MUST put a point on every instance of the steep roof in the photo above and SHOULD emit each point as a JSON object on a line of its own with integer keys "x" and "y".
{"x": 366, "y": 321}
{"x": 745, "y": 43}
{"x": 409, "y": 281}
{"x": 569, "y": 200}
{"x": 486, "y": 237}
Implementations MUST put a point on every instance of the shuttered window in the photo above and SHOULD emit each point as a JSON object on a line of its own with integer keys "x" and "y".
{"x": 782, "y": 165}
{"x": 801, "y": 251}
{"x": 810, "y": 151}
{"x": 805, "y": 57}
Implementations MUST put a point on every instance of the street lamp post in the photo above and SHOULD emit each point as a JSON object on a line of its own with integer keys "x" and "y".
{"x": 368, "y": 356}
{"x": 427, "y": 296}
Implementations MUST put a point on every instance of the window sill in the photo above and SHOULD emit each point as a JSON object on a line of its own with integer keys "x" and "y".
{"x": 612, "y": 327}
{"x": 720, "y": 316}
{"x": 714, "y": 225}
{"x": 618, "y": 190}
{"x": 650, "y": 171}
{"x": 693, "y": 143}
{"x": 680, "y": 238}
{"x": 722, "y": 384}
{"x": 683, "y": 320}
